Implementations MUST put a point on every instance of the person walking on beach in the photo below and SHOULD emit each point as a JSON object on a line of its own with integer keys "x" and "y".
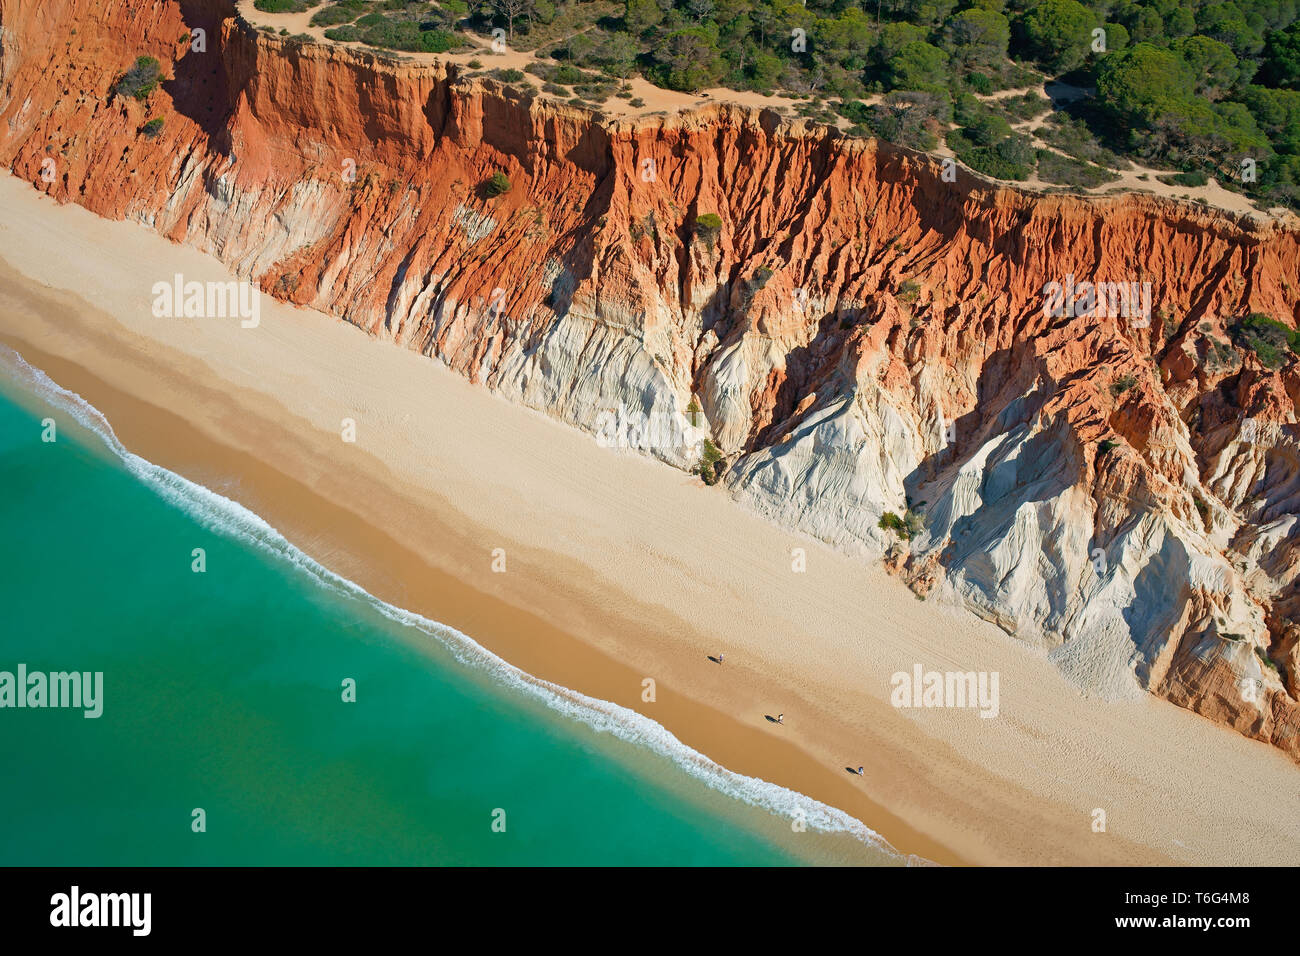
{"x": 721, "y": 657}
{"x": 780, "y": 718}
{"x": 859, "y": 771}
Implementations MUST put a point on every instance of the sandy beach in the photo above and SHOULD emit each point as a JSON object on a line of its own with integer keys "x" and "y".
{"x": 619, "y": 568}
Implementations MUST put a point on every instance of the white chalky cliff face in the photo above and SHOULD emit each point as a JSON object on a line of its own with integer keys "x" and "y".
{"x": 867, "y": 344}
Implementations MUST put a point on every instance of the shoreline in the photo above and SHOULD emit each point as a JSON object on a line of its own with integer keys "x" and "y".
{"x": 372, "y": 558}
{"x": 632, "y": 570}
{"x": 455, "y": 651}
{"x": 164, "y": 434}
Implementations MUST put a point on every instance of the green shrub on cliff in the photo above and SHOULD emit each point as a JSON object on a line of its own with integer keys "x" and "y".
{"x": 907, "y": 527}
{"x": 153, "y": 128}
{"x": 708, "y": 227}
{"x": 1267, "y": 338}
{"x": 498, "y": 184}
{"x": 1122, "y": 384}
{"x": 892, "y": 522}
{"x": 140, "y": 80}
{"x": 711, "y": 464}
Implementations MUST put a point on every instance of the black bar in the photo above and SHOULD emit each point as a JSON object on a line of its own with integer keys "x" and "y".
{"x": 867, "y": 907}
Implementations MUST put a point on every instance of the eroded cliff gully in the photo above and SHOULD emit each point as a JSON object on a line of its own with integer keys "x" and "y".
{"x": 859, "y": 335}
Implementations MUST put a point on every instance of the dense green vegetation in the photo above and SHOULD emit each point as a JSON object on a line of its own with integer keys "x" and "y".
{"x": 413, "y": 26}
{"x": 284, "y": 6}
{"x": 1193, "y": 87}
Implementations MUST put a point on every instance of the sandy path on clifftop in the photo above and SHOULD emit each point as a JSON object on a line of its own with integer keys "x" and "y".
{"x": 621, "y": 568}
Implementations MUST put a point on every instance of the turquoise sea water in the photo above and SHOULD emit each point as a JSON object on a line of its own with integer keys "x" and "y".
{"x": 223, "y": 690}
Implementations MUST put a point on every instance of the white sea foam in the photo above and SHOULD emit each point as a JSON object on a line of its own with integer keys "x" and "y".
{"x": 221, "y": 514}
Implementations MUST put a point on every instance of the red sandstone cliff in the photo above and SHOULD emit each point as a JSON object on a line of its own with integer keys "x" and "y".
{"x": 860, "y": 334}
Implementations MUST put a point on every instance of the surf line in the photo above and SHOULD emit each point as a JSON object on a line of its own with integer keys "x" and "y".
{"x": 237, "y": 522}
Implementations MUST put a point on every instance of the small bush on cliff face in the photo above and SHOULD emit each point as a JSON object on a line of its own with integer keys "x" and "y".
{"x": 711, "y": 465}
{"x": 139, "y": 81}
{"x": 1122, "y": 384}
{"x": 1267, "y": 337}
{"x": 496, "y": 185}
{"x": 708, "y": 227}
{"x": 153, "y": 128}
{"x": 892, "y": 522}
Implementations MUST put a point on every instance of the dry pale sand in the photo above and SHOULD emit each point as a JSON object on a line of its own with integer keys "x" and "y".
{"x": 620, "y": 568}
